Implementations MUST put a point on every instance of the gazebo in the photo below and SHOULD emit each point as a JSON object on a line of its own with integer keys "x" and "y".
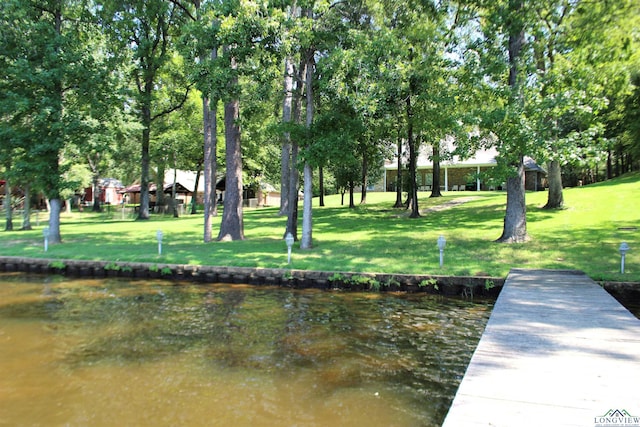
{"x": 133, "y": 192}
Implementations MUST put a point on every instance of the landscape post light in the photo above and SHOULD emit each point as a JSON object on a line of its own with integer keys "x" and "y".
{"x": 45, "y": 234}
{"x": 624, "y": 247}
{"x": 288, "y": 239}
{"x": 442, "y": 242}
{"x": 159, "y": 237}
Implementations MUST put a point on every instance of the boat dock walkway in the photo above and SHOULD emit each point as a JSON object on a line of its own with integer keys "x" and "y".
{"x": 558, "y": 350}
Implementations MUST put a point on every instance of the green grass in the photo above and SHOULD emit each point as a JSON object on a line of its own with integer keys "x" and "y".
{"x": 377, "y": 238}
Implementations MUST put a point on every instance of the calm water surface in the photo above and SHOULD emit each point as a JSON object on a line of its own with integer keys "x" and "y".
{"x": 140, "y": 353}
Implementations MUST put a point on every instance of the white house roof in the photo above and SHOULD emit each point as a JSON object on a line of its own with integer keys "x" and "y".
{"x": 484, "y": 157}
{"x": 480, "y": 158}
{"x": 186, "y": 178}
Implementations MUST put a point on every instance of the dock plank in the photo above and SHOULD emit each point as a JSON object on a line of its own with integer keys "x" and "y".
{"x": 558, "y": 350}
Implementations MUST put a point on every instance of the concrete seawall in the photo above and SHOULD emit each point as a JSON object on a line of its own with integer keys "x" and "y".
{"x": 433, "y": 284}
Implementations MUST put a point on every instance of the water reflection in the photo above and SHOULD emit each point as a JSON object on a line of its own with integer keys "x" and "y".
{"x": 112, "y": 352}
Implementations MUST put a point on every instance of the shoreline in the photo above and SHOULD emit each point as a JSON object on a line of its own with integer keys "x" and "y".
{"x": 485, "y": 286}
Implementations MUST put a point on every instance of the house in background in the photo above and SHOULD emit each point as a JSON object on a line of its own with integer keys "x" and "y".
{"x": 185, "y": 186}
{"x": 186, "y": 191}
{"x": 109, "y": 192}
{"x": 459, "y": 174}
{"x": 264, "y": 195}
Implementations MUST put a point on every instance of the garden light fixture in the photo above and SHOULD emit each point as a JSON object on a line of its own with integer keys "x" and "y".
{"x": 45, "y": 234}
{"x": 159, "y": 237}
{"x": 289, "y": 241}
{"x": 624, "y": 247}
{"x": 442, "y": 242}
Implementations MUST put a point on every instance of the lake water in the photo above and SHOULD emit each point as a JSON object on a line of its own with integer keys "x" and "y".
{"x": 141, "y": 353}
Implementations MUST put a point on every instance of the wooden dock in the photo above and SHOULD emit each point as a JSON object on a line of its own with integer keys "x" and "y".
{"x": 558, "y": 350}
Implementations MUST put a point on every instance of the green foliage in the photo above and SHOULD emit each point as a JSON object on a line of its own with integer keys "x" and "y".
{"x": 336, "y": 277}
{"x": 69, "y": 92}
{"x": 375, "y": 286}
{"x": 365, "y": 281}
{"x": 112, "y": 266}
{"x": 392, "y": 282}
{"x": 429, "y": 282}
{"x": 60, "y": 265}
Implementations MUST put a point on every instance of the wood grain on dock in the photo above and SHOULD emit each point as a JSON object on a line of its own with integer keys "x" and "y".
{"x": 558, "y": 350}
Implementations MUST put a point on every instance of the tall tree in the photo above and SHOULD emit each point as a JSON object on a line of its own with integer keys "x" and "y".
{"x": 606, "y": 41}
{"x": 306, "y": 242}
{"x": 515, "y": 219}
{"x": 245, "y": 31}
{"x": 232, "y": 226}
{"x": 287, "y": 117}
{"x": 566, "y": 97}
{"x": 503, "y": 119}
{"x": 146, "y": 29}
{"x": 292, "y": 169}
{"x": 200, "y": 45}
{"x": 294, "y": 88}
{"x": 51, "y": 73}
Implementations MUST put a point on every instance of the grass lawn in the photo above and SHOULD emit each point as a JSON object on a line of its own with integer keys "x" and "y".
{"x": 377, "y": 238}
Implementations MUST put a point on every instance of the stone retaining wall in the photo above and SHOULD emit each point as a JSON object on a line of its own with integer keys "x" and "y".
{"x": 446, "y": 285}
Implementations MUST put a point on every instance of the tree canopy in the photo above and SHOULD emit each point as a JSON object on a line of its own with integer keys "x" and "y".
{"x": 126, "y": 87}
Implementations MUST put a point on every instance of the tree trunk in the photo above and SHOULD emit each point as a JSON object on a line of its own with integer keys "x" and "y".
{"x": 161, "y": 200}
{"x": 54, "y": 221}
{"x": 209, "y": 195}
{"x": 352, "y": 205}
{"x": 210, "y": 164}
{"x": 143, "y": 212}
{"x": 435, "y": 180}
{"x": 398, "y": 203}
{"x": 26, "y": 212}
{"x": 292, "y": 203}
{"x": 174, "y": 201}
{"x": 96, "y": 193}
{"x": 194, "y": 197}
{"x": 321, "y": 184}
{"x": 260, "y": 195}
{"x": 52, "y": 152}
{"x": 294, "y": 174}
{"x": 515, "y": 218}
{"x": 413, "y": 160}
{"x": 285, "y": 179}
{"x": 210, "y": 113}
{"x": 7, "y": 205}
{"x": 307, "y": 213}
{"x": 554, "y": 198}
{"x": 232, "y": 226}
{"x": 363, "y": 195}
{"x": 285, "y": 162}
